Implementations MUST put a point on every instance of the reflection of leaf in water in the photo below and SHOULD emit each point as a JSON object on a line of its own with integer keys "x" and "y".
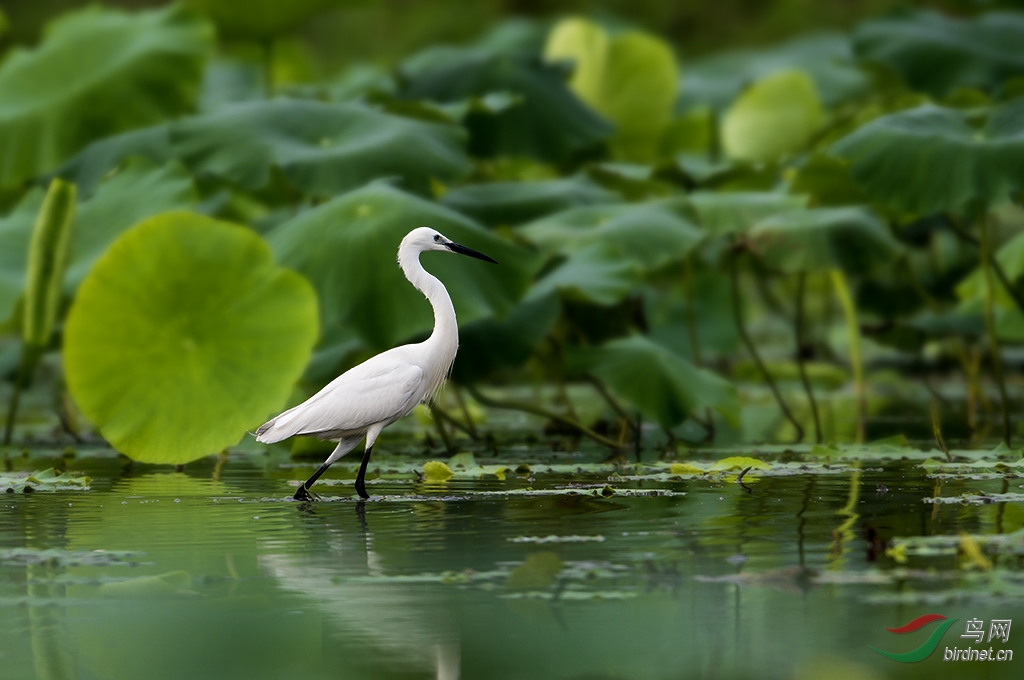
{"x": 537, "y": 572}
{"x": 792, "y": 580}
{"x": 170, "y": 584}
{"x": 54, "y": 557}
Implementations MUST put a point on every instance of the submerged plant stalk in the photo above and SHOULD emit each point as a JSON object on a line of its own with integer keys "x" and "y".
{"x": 990, "y": 324}
{"x": 856, "y": 363}
{"x": 742, "y": 329}
{"x": 800, "y": 285}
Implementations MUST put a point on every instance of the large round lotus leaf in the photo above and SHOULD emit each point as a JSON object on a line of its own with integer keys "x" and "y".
{"x": 511, "y": 203}
{"x": 663, "y": 386}
{"x": 730, "y": 212}
{"x": 548, "y": 121}
{"x": 929, "y": 159}
{"x": 255, "y": 19}
{"x": 646, "y": 234}
{"x": 98, "y": 72}
{"x": 347, "y": 248}
{"x": 937, "y": 54}
{"x": 185, "y": 335}
{"x": 774, "y": 117}
{"x": 827, "y": 58}
{"x": 820, "y": 239}
{"x": 321, "y": 148}
{"x": 630, "y": 79}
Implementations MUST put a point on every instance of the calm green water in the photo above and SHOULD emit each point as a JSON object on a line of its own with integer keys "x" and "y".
{"x": 787, "y": 578}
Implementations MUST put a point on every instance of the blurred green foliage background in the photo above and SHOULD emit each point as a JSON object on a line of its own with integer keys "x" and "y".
{"x": 705, "y": 212}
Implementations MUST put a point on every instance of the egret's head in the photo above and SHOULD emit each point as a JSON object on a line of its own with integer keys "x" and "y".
{"x": 425, "y": 238}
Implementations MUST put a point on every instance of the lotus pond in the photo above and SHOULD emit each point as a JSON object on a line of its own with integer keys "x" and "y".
{"x": 529, "y": 557}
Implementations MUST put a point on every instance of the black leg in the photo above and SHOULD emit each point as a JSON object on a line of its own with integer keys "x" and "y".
{"x": 303, "y": 493}
{"x": 360, "y": 479}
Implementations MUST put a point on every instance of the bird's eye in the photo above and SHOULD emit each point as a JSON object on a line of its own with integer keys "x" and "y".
{"x": 437, "y": 238}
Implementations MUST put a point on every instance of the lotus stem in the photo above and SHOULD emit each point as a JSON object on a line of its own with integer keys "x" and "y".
{"x": 937, "y": 430}
{"x": 856, "y": 363}
{"x": 742, "y": 329}
{"x": 30, "y": 356}
{"x": 443, "y": 433}
{"x": 801, "y": 280}
{"x": 438, "y": 411}
{"x": 997, "y": 268}
{"x": 691, "y": 329}
{"x": 543, "y": 413}
{"x": 990, "y": 323}
{"x": 471, "y": 428}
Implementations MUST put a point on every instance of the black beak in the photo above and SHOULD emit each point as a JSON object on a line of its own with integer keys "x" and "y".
{"x": 456, "y": 248}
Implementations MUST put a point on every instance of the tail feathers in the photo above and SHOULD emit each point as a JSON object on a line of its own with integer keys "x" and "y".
{"x": 268, "y": 433}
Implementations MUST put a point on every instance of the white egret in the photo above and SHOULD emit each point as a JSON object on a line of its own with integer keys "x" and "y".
{"x": 367, "y": 398}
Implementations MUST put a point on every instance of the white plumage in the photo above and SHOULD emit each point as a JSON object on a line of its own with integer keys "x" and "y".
{"x": 369, "y": 397}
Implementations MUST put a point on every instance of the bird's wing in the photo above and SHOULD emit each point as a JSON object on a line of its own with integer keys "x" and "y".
{"x": 373, "y": 392}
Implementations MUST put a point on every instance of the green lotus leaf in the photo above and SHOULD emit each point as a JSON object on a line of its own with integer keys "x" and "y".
{"x": 595, "y": 274}
{"x": 260, "y": 19}
{"x": 97, "y": 73}
{"x": 820, "y": 239}
{"x": 550, "y": 122}
{"x": 930, "y": 158}
{"x": 663, "y": 386}
{"x": 938, "y": 54}
{"x": 646, "y": 234}
{"x": 511, "y": 203}
{"x": 88, "y": 168}
{"x": 138, "y": 191}
{"x": 630, "y": 79}
{"x": 490, "y": 344}
{"x": 185, "y": 335}
{"x": 773, "y": 118}
{"x": 1011, "y": 260}
{"x": 736, "y": 212}
{"x": 321, "y": 148}
{"x": 827, "y": 58}
{"x": 347, "y": 248}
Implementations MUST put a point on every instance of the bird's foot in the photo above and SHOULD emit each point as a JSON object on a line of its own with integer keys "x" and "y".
{"x": 304, "y": 494}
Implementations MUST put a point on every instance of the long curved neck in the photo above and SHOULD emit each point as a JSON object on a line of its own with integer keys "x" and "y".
{"x": 446, "y": 328}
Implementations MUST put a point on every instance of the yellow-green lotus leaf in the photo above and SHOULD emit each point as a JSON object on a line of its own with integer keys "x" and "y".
{"x": 773, "y": 118}
{"x": 185, "y": 335}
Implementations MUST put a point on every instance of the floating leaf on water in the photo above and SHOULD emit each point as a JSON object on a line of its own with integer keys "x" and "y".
{"x": 686, "y": 469}
{"x": 740, "y": 463}
{"x": 436, "y": 471}
{"x": 44, "y": 480}
{"x": 54, "y": 557}
{"x": 557, "y": 539}
{"x": 184, "y": 336}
